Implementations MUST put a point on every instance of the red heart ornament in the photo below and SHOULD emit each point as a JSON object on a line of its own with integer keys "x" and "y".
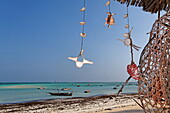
{"x": 133, "y": 71}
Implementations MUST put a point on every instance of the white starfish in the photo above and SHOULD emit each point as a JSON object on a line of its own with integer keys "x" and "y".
{"x": 80, "y": 64}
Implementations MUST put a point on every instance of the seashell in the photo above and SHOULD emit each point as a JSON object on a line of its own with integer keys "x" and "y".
{"x": 125, "y": 16}
{"x": 127, "y": 42}
{"x": 127, "y": 26}
{"x": 79, "y": 64}
{"x": 83, "y": 35}
{"x": 108, "y": 2}
{"x": 82, "y": 23}
{"x": 126, "y": 35}
{"x": 82, "y": 9}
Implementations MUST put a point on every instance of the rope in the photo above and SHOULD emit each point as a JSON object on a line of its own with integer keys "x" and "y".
{"x": 82, "y": 39}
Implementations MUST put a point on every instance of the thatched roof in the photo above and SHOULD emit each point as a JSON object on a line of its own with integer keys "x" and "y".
{"x": 152, "y": 6}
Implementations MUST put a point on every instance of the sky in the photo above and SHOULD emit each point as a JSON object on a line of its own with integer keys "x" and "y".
{"x": 37, "y": 36}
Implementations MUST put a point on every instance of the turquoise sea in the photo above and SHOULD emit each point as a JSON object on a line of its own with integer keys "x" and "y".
{"x": 24, "y": 92}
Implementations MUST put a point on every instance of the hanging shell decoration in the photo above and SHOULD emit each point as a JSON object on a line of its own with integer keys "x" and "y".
{"x": 127, "y": 41}
{"x": 82, "y": 9}
{"x": 82, "y": 23}
{"x": 82, "y": 61}
{"x": 132, "y": 70}
{"x": 126, "y": 35}
{"x": 110, "y": 20}
{"x": 108, "y": 3}
{"x": 125, "y": 16}
{"x": 127, "y": 26}
{"x": 154, "y": 67}
{"x": 83, "y": 35}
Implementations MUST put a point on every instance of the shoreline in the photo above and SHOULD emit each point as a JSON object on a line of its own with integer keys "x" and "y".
{"x": 38, "y": 100}
{"x": 73, "y": 105}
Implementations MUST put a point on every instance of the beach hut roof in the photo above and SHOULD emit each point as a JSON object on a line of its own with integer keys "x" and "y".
{"x": 152, "y": 6}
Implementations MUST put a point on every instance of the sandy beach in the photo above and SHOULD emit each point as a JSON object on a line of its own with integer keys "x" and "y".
{"x": 98, "y": 104}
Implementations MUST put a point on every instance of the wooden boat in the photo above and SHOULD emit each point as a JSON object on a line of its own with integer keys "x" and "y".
{"x": 86, "y": 91}
{"x": 65, "y": 89}
{"x": 41, "y": 88}
{"x": 115, "y": 88}
{"x": 60, "y": 94}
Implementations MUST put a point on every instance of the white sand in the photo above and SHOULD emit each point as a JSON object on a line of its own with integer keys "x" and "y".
{"x": 100, "y": 104}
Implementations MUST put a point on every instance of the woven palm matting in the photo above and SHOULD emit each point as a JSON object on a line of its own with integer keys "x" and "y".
{"x": 154, "y": 67}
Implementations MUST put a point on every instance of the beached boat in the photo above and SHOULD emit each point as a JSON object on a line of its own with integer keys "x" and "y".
{"x": 60, "y": 94}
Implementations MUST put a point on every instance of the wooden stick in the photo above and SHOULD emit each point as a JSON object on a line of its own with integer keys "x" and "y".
{"x": 138, "y": 104}
{"x": 124, "y": 85}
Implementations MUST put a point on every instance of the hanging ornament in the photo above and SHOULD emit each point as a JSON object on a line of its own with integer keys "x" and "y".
{"x": 80, "y": 60}
{"x": 82, "y": 9}
{"x": 108, "y": 3}
{"x": 82, "y": 23}
{"x": 125, "y": 16}
{"x": 83, "y": 35}
{"x": 109, "y": 20}
{"x": 126, "y": 35}
{"x": 127, "y": 41}
{"x": 127, "y": 26}
{"x": 132, "y": 70}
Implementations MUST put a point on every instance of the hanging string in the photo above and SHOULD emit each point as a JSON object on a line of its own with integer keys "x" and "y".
{"x": 83, "y": 27}
{"x": 131, "y": 44}
{"x": 131, "y": 51}
{"x": 109, "y": 7}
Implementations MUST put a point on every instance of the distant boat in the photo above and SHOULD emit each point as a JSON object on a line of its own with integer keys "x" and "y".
{"x": 86, "y": 91}
{"x": 60, "y": 94}
{"x": 115, "y": 88}
{"x": 65, "y": 89}
{"x": 41, "y": 88}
